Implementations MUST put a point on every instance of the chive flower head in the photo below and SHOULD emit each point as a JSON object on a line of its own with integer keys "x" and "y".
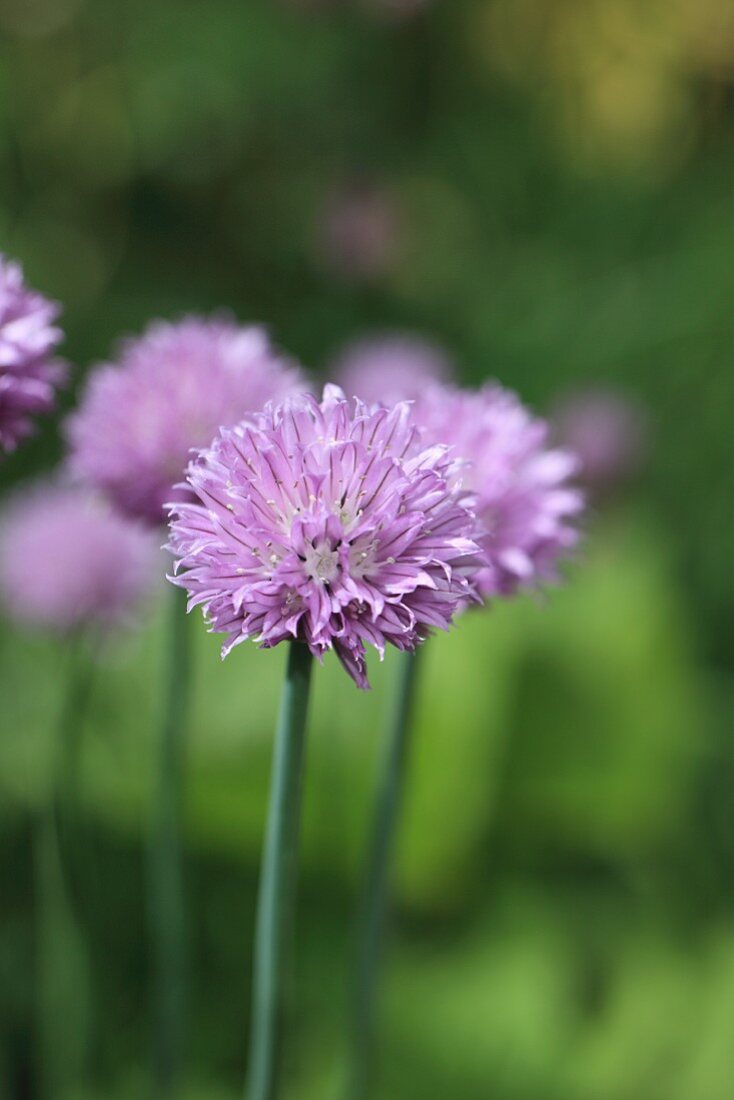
{"x": 68, "y": 561}
{"x": 170, "y": 391}
{"x": 29, "y": 370}
{"x": 329, "y": 522}
{"x": 525, "y": 501}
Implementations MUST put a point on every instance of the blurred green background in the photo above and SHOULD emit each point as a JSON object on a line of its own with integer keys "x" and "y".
{"x": 547, "y": 188}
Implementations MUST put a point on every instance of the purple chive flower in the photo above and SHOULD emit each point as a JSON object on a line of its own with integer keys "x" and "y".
{"x": 521, "y": 493}
{"x": 67, "y": 561}
{"x": 328, "y": 522}
{"x": 29, "y": 373}
{"x": 391, "y": 368}
{"x": 170, "y": 392}
{"x": 607, "y": 431}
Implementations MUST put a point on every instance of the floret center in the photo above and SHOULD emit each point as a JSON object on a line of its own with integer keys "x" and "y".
{"x": 322, "y": 563}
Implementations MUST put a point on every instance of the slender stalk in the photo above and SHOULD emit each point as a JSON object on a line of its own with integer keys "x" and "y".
{"x": 64, "y": 814}
{"x": 71, "y": 727}
{"x": 373, "y": 907}
{"x": 166, "y": 889}
{"x": 278, "y": 874}
{"x": 64, "y": 962}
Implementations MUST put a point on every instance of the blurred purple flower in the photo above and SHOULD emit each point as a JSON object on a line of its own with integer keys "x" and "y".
{"x": 29, "y": 373}
{"x": 68, "y": 561}
{"x": 390, "y": 368}
{"x": 173, "y": 388}
{"x": 522, "y": 496}
{"x": 328, "y": 522}
{"x": 358, "y": 232}
{"x": 607, "y": 431}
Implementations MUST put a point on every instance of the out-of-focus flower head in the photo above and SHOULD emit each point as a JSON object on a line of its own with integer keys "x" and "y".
{"x": 327, "y": 522}
{"x": 359, "y": 232}
{"x": 390, "y": 368}
{"x": 29, "y": 373}
{"x": 67, "y": 561}
{"x": 171, "y": 390}
{"x": 607, "y": 430}
{"x": 523, "y": 498}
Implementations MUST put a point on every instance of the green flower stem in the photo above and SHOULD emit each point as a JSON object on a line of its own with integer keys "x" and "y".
{"x": 64, "y": 984}
{"x": 278, "y": 874}
{"x": 71, "y": 728}
{"x": 372, "y": 912}
{"x": 166, "y": 889}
